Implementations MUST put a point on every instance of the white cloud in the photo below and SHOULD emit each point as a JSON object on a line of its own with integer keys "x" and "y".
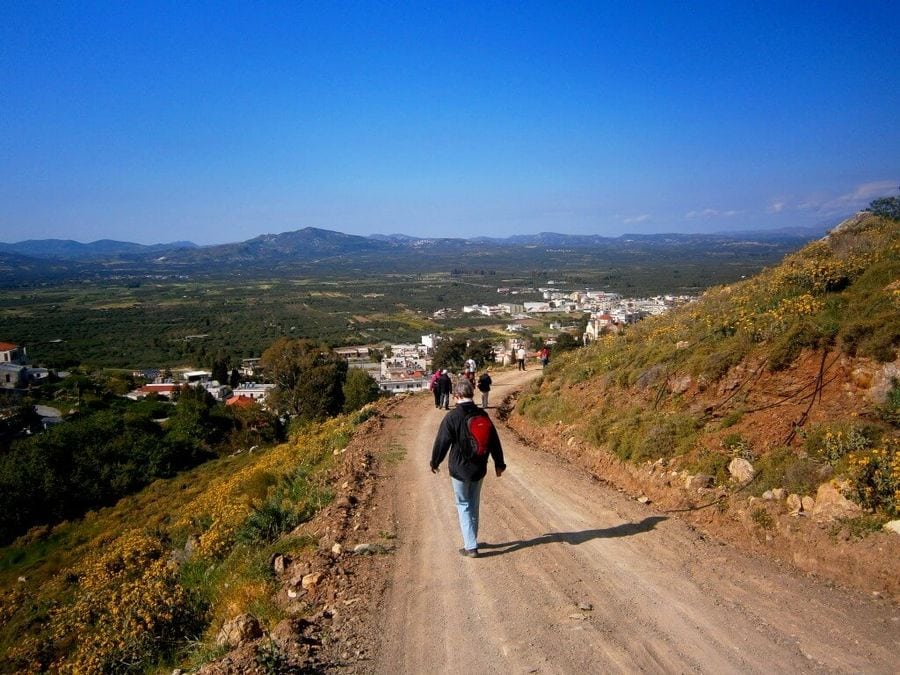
{"x": 869, "y": 191}
{"x": 705, "y": 214}
{"x": 644, "y": 217}
{"x": 777, "y": 206}
{"x": 856, "y": 199}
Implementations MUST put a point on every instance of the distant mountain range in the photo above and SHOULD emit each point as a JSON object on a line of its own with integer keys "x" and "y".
{"x": 308, "y": 249}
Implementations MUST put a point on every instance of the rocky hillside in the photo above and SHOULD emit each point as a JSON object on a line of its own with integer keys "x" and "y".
{"x": 767, "y": 410}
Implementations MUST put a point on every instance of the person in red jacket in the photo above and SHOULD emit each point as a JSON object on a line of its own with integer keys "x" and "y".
{"x": 466, "y": 471}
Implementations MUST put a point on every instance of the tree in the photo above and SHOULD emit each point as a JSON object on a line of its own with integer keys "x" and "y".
{"x": 887, "y": 207}
{"x": 235, "y": 379}
{"x": 308, "y": 378}
{"x": 220, "y": 368}
{"x": 482, "y": 351}
{"x": 193, "y": 426}
{"x": 450, "y": 354}
{"x": 359, "y": 389}
{"x": 565, "y": 343}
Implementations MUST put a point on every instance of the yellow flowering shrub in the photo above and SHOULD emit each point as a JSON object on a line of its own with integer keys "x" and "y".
{"x": 875, "y": 477}
{"x": 127, "y": 603}
{"x": 128, "y": 607}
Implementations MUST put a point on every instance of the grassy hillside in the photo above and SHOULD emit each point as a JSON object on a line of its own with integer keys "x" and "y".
{"x": 145, "y": 584}
{"x": 788, "y": 369}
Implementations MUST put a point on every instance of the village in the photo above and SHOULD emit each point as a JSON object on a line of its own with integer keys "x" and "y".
{"x": 396, "y": 368}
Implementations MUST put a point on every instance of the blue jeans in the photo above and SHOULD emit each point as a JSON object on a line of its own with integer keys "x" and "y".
{"x": 468, "y": 497}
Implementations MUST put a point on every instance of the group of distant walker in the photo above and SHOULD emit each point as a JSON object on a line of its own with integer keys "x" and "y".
{"x": 441, "y": 384}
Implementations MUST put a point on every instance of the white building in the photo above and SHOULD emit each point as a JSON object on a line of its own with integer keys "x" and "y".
{"x": 253, "y": 390}
{"x": 404, "y": 385}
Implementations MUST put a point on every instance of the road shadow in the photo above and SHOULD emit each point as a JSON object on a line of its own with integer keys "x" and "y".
{"x": 487, "y": 550}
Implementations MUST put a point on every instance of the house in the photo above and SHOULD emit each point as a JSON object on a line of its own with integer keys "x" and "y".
{"x": 12, "y": 353}
{"x": 249, "y": 367}
{"x": 253, "y": 390}
{"x": 511, "y": 308}
{"x": 360, "y": 353}
{"x": 240, "y": 401}
{"x": 13, "y": 375}
{"x": 403, "y": 385}
{"x": 166, "y": 389}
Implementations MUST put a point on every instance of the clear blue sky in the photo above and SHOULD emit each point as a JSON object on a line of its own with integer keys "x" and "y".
{"x": 216, "y": 122}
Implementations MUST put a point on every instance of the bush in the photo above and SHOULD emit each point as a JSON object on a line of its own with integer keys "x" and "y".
{"x": 890, "y": 411}
{"x": 875, "y": 477}
{"x": 886, "y": 207}
{"x": 713, "y": 464}
{"x": 639, "y": 435}
{"x": 738, "y": 446}
{"x": 293, "y": 502}
{"x": 762, "y": 518}
{"x": 359, "y": 389}
{"x": 783, "y": 468}
{"x": 831, "y": 443}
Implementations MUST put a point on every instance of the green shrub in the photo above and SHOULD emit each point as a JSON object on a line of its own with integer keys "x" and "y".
{"x": 783, "y": 468}
{"x": 831, "y": 443}
{"x": 858, "y": 527}
{"x": 731, "y": 419}
{"x": 738, "y": 446}
{"x": 713, "y": 464}
{"x": 762, "y": 518}
{"x": 715, "y": 361}
{"x": 890, "y": 411}
{"x": 639, "y": 435}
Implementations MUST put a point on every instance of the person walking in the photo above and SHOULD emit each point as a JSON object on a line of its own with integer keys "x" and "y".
{"x": 467, "y": 471}
{"x": 471, "y": 366}
{"x": 545, "y": 356}
{"x": 484, "y": 386}
{"x": 520, "y": 355}
{"x": 433, "y": 385}
{"x": 445, "y": 386}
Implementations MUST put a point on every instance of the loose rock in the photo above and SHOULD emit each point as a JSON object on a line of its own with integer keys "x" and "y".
{"x": 830, "y": 504}
{"x": 311, "y": 580}
{"x": 741, "y": 470}
{"x": 892, "y": 526}
{"x": 701, "y": 480}
{"x": 240, "y": 629}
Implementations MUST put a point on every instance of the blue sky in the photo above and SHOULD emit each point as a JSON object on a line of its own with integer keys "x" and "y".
{"x": 217, "y": 122}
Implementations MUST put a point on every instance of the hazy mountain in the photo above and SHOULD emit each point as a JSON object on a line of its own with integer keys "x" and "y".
{"x": 67, "y": 249}
{"x": 313, "y": 250}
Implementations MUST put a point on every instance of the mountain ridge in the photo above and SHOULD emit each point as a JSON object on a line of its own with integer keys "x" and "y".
{"x": 333, "y": 240}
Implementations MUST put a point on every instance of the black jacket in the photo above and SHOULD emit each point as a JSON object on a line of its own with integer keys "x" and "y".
{"x": 485, "y": 382}
{"x": 444, "y": 384}
{"x": 452, "y": 429}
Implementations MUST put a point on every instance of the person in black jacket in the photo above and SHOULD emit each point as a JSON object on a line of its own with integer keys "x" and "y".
{"x": 445, "y": 386}
{"x": 466, "y": 472}
{"x": 484, "y": 386}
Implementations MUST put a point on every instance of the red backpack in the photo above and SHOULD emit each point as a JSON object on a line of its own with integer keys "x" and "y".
{"x": 480, "y": 429}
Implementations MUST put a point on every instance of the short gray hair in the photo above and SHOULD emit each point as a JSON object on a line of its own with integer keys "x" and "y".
{"x": 464, "y": 388}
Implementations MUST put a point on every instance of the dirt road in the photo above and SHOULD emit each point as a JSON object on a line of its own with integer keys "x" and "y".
{"x": 575, "y": 577}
